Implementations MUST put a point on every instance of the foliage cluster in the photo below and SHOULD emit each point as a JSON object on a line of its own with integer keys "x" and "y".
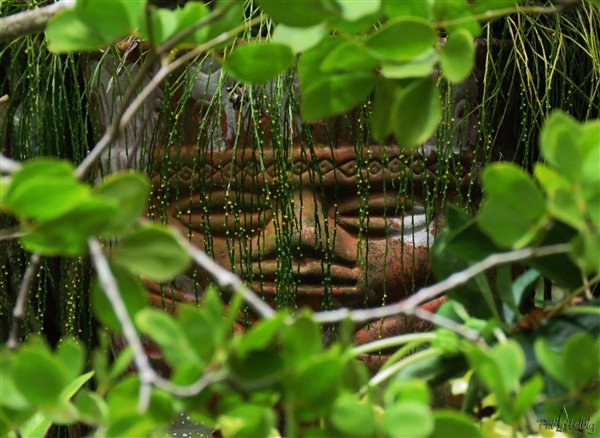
{"x": 279, "y": 377}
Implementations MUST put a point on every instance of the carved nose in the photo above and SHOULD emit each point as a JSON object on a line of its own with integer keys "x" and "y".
{"x": 311, "y": 232}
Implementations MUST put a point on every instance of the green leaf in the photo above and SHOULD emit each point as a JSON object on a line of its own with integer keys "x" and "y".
{"x": 403, "y": 39}
{"x": 417, "y": 67}
{"x": 407, "y": 390}
{"x": 458, "y": 56}
{"x": 401, "y": 9}
{"x": 451, "y": 424}
{"x": 299, "y": 39}
{"x": 248, "y": 420}
{"x": 261, "y": 335}
{"x": 582, "y": 358}
{"x": 352, "y": 418}
{"x": 167, "y": 23}
{"x": 459, "y": 10}
{"x": 497, "y": 217}
{"x": 417, "y": 112}
{"x": 152, "y": 251}
{"x": 335, "y": 94}
{"x": 204, "y": 336}
{"x": 387, "y": 93}
{"x": 510, "y": 361}
{"x": 44, "y": 189}
{"x": 91, "y": 407}
{"x": 67, "y": 235}
{"x": 296, "y": 13}
{"x": 130, "y": 192}
{"x": 482, "y": 6}
{"x": 258, "y": 62}
{"x": 559, "y": 144}
{"x": 315, "y": 386}
{"x": 133, "y": 293}
{"x": 91, "y": 25}
{"x": 349, "y": 56}
{"x": 10, "y": 396}
{"x": 552, "y": 363}
{"x": 168, "y": 334}
{"x": 353, "y": 11}
{"x": 44, "y": 198}
{"x": 301, "y": 339}
{"x": 410, "y": 419}
{"x": 71, "y": 354}
{"x": 526, "y": 396}
{"x": 39, "y": 376}
{"x": 67, "y": 32}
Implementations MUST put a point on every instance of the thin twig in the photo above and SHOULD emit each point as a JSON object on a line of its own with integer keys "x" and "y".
{"x": 441, "y": 321}
{"x": 11, "y": 233}
{"x": 426, "y": 294}
{"x": 227, "y": 281}
{"x": 208, "y": 378}
{"x": 393, "y": 341}
{"x": 19, "y": 309}
{"x": 111, "y": 290}
{"x": 30, "y": 22}
{"x": 393, "y": 369}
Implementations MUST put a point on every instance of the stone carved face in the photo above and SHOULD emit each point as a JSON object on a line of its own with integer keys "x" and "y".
{"x": 308, "y": 215}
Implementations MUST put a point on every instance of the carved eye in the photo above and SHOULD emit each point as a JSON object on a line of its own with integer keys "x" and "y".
{"x": 381, "y": 215}
{"x": 226, "y": 213}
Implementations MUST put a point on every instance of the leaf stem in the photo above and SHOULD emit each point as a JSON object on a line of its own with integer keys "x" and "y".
{"x": 409, "y": 306}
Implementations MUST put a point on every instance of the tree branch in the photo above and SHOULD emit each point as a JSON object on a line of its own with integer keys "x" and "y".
{"x": 409, "y": 306}
{"x": 30, "y": 22}
{"x": 111, "y": 290}
{"x": 19, "y": 309}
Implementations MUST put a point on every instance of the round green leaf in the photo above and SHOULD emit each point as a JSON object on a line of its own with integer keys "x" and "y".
{"x": 295, "y": 13}
{"x": 302, "y": 339}
{"x": 418, "y": 67}
{"x": 410, "y": 419}
{"x": 133, "y": 293}
{"x": 349, "y": 57}
{"x": 512, "y": 213}
{"x": 417, "y": 112}
{"x": 130, "y": 192}
{"x": 247, "y": 420}
{"x": 43, "y": 198}
{"x": 552, "y": 362}
{"x": 403, "y": 39}
{"x": 39, "y": 376}
{"x": 352, "y": 418}
{"x": 162, "y": 328}
{"x": 458, "y": 56}
{"x": 299, "y": 39}
{"x": 451, "y": 424}
{"x": 335, "y": 94}
{"x": 43, "y": 189}
{"x": 411, "y": 390}
{"x": 582, "y": 358}
{"x": 67, "y": 32}
{"x": 68, "y": 234}
{"x": 152, "y": 251}
{"x": 353, "y": 11}
{"x": 258, "y": 62}
{"x": 510, "y": 360}
{"x": 71, "y": 354}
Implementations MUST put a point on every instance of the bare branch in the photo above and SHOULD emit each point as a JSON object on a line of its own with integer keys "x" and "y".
{"x": 19, "y": 309}
{"x": 393, "y": 341}
{"x": 426, "y": 294}
{"x": 30, "y": 22}
{"x": 227, "y": 281}
{"x": 111, "y": 290}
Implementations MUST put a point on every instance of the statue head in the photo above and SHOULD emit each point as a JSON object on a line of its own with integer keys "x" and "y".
{"x": 307, "y": 214}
